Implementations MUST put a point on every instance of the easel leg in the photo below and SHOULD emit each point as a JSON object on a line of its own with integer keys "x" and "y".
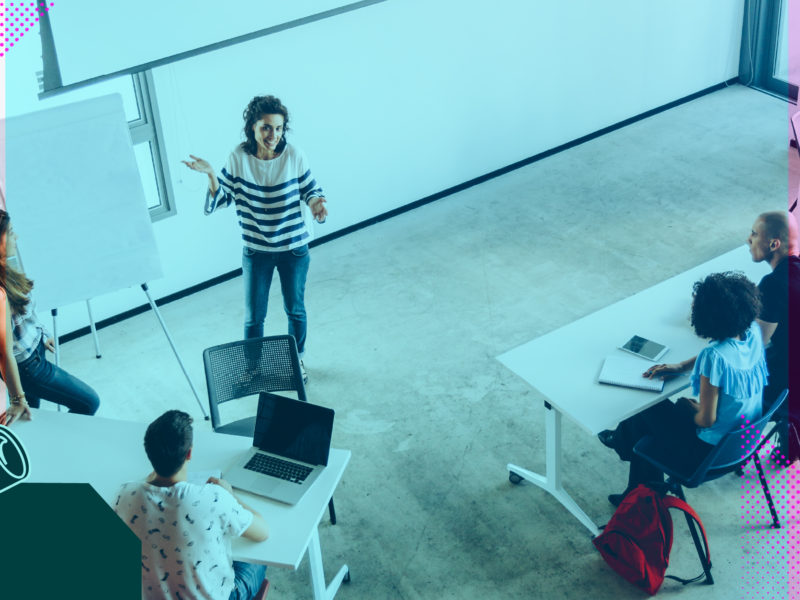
{"x": 94, "y": 330}
{"x": 174, "y": 349}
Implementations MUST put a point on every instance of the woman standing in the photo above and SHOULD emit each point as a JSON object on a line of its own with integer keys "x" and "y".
{"x": 8, "y": 366}
{"x": 728, "y": 377}
{"x": 39, "y": 377}
{"x": 269, "y": 181}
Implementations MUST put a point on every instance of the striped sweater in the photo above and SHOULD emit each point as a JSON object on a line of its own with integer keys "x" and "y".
{"x": 269, "y": 197}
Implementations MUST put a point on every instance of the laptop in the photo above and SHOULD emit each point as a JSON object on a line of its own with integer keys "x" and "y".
{"x": 291, "y": 443}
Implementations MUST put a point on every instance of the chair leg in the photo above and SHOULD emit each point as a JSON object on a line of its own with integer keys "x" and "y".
{"x": 332, "y": 511}
{"x": 775, "y": 522}
{"x": 701, "y": 554}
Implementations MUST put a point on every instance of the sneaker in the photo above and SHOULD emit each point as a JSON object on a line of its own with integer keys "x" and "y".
{"x": 303, "y": 371}
{"x": 608, "y": 437}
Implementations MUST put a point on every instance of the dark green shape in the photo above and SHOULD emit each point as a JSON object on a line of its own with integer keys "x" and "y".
{"x": 61, "y": 540}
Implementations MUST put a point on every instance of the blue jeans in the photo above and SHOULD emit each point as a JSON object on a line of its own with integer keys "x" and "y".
{"x": 42, "y": 379}
{"x": 257, "y": 268}
{"x": 248, "y": 580}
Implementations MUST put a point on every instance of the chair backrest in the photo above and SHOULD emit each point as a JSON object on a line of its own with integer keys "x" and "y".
{"x": 247, "y": 367}
{"x": 736, "y": 446}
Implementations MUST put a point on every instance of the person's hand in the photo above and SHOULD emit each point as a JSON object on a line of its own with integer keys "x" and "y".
{"x": 318, "y": 209}
{"x": 200, "y": 165}
{"x": 664, "y": 371}
{"x": 221, "y": 483}
{"x": 50, "y": 344}
{"x": 18, "y": 411}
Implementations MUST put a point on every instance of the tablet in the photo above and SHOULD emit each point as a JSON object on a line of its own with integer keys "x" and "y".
{"x": 645, "y": 348}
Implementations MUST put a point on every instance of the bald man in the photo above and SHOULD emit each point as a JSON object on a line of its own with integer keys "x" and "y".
{"x": 774, "y": 239}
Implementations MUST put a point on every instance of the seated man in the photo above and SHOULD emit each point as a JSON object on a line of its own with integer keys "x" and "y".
{"x": 774, "y": 239}
{"x": 186, "y": 529}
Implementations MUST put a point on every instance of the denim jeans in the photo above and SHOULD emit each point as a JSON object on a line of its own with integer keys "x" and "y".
{"x": 42, "y": 379}
{"x": 257, "y": 268}
{"x": 248, "y": 580}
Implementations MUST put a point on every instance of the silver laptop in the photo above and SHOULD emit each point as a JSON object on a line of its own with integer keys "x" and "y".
{"x": 291, "y": 443}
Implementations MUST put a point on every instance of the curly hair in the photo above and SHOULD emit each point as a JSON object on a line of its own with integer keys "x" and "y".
{"x": 167, "y": 441}
{"x": 16, "y": 285}
{"x": 724, "y": 306}
{"x": 259, "y": 106}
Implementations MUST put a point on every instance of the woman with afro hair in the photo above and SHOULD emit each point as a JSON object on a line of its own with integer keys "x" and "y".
{"x": 727, "y": 379}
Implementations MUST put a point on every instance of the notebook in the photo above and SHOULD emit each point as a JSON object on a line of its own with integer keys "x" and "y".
{"x": 626, "y": 371}
{"x": 291, "y": 443}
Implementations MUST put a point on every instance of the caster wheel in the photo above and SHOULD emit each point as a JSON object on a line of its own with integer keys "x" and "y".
{"x": 514, "y": 478}
{"x": 346, "y": 578}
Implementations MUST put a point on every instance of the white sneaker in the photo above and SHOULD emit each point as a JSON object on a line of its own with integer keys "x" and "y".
{"x": 303, "y": 371}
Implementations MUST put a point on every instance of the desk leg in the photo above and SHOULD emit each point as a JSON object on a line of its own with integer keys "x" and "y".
{"x": 321, "y": 592}
{"x": 552, "y": 482}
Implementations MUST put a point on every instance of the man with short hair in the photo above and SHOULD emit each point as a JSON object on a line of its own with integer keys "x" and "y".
{"x": 185, "y": 528}
{"x": 774, "y": 239}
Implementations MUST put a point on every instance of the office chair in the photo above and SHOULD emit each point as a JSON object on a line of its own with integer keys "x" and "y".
{"x": 247, "y": 367}
{"x": 735, "y": 449}
{"x": 795, "y": 121}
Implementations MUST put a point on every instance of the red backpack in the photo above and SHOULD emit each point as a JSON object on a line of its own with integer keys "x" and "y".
{"x": 637, "y": 540}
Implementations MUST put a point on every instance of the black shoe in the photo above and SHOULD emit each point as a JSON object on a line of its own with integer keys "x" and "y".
{"x": 608, "y": 438}
{"x": 616, "y": 499}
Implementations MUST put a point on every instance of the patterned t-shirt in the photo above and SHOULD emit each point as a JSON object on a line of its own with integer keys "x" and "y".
{"x": 270, "y": 198}
{"x": 186, "y": 531}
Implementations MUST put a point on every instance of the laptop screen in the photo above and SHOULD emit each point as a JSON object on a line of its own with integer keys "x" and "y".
{"x": 293, "y": 429}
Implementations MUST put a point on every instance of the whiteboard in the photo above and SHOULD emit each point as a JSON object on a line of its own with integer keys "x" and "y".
{"x": 76, "y": 202}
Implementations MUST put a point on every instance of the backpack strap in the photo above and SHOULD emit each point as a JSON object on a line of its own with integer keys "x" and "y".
{"x": 682, "y": 505}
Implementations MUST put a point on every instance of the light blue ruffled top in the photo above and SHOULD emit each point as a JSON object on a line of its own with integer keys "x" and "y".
{"x": 739, "y": 370}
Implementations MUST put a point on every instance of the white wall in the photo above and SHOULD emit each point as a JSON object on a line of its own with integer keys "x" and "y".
{"x": 403, "y": 99}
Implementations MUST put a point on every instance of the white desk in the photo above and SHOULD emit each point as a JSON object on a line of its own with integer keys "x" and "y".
{"x": 67, "y": 448}
{"x": 564, "y": 364}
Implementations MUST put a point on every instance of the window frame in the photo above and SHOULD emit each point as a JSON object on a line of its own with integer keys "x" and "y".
{"x": 147, "y": 130}
{"x": 766, "y": 30}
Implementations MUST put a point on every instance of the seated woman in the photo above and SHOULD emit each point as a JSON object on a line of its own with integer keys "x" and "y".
{"x": 8, "y": 366}
{"x": 39, "y": 377}
{"x": 728, "y": 377}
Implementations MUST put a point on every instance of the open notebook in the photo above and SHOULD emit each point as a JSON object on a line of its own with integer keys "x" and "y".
{"x": 626, "y": 371}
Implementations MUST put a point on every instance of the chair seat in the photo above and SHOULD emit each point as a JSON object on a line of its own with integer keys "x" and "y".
{"x": 242, "y": 427}
{"x": 663, "y": 457}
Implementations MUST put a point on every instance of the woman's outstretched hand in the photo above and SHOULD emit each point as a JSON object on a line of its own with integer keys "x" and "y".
{"x": 198, "y": 164}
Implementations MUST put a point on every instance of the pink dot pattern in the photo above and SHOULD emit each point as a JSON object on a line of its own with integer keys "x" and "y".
{"x": 16, "y": 19}
{"x": 771, "y": 557}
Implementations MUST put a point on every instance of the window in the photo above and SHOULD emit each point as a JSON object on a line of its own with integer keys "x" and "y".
{"x": 765, "y": 48}
{"x": 138, "y": 99}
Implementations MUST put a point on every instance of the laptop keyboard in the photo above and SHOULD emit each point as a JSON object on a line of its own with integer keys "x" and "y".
{"x": 282, "y": 469}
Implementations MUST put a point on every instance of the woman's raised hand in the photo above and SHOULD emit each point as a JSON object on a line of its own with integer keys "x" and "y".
{"x": 198, "y": 164}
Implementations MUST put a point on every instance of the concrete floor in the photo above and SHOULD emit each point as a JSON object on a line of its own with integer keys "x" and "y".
{"x": 406, "y": 319}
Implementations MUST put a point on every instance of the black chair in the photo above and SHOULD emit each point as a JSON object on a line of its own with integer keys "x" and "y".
{"x": 248, "y": 367}
{"x": 734, "y": 450}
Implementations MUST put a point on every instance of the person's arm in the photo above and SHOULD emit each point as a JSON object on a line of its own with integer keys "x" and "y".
{"x": 666, "y": 371}
{"x": 258, "y": 531}
{"x": 203, "y": 166}
{"x": 218, "y": 196}
{"x": 311, "y": 191}
{"x": 767, "y": 329}
{"x": 707, "y": 411}
{"x": 18, "y": 407}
